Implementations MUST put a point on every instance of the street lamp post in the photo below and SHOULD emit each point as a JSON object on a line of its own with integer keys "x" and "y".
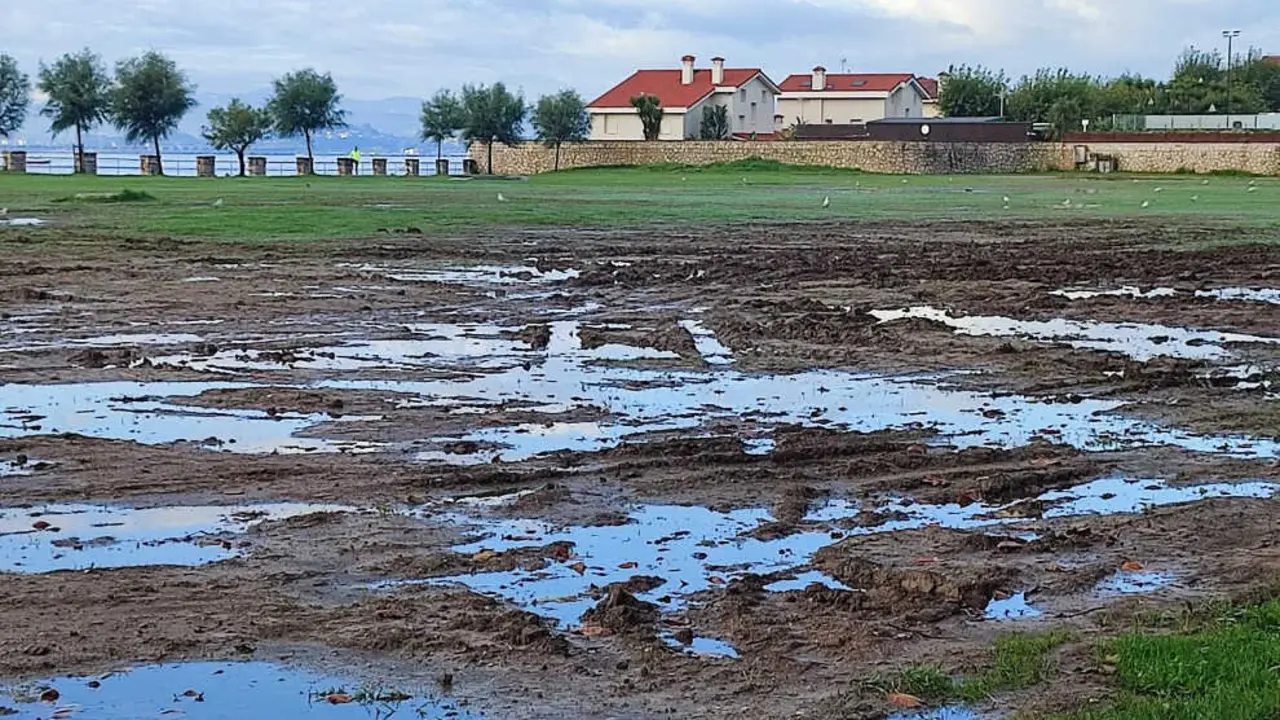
{"x": 1229, "y": 35}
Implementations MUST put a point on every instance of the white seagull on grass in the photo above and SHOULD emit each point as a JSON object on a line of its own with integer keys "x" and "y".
{"x": 501, "y": 197}
{"x": 826, "y": 201}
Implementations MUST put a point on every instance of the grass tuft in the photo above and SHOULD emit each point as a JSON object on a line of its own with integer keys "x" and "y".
{"x": 1019, "y": 661}
{"x": 1228, "y": 668}
{"x": 124, "y": 196}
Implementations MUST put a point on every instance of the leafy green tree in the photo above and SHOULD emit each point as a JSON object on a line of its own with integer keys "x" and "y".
{"x": 78, "y": 88}
{"x": 715, "y": 123}
{"x": 236, "y": 127}
{"x": 442, "y": 118}
{"x": 150, "y": 98}
{"x": 1262, "y": 76}
{"x": 306, "y": 102}
{"x": 492, "y": 114}
{"x": 1057, "y": 96}
{"x": 971, "y": 91}
{"x": 15, "y": 94}
{"x": 561, "y": 118}
{"x": 649, "y": 108}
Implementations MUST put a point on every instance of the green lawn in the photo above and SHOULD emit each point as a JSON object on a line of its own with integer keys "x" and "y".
{"x": 320, "y": 207}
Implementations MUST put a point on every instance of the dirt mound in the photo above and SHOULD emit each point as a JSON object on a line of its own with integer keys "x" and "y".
{"x": 620, "y": 612}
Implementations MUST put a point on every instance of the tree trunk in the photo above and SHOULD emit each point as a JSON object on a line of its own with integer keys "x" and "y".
{"x": 79, "y": 163}
{"x": 307, "y": 134}
{"x": 489, "y": 145}
{"x": 557, "y": 157}
{"x": 240, "y": 156}
{"x": 439, "y": 148}
{"x": 159, "y": 162}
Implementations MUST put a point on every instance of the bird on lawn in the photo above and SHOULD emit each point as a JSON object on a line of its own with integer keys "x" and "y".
{"x": 1159, "y": 189}
{"x": 501, "y": 197}
{"x": 1006, "y": 199}
{"x": 1066, "y": 203}
{"x": 217, "y": 203}
{"x": 1195, "y": 198}
{"x": 1204, "y": 182}
{"x": 4, "y": 212}
{"x": 1146, "y": 204}
{"x": 1252, "y": 188}
{"x": 826, "y": 201}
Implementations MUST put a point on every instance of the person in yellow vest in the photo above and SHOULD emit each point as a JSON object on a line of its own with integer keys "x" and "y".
{"x": 355, "y": 156}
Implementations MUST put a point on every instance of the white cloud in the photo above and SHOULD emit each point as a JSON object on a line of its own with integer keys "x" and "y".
{"x": 379, "y": 48}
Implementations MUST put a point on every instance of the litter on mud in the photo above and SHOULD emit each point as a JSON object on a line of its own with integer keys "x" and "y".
{"x": 216, "y": 691}
{"x": 1139, "y": 341}
{"x": 75, "y": 537}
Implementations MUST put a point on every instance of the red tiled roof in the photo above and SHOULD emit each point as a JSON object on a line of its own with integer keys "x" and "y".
{"x": 930, "y": 87}
{"x": 666, "y": 85}
{"x": 850, "y": 82}
{"x": 1272, "y": 58}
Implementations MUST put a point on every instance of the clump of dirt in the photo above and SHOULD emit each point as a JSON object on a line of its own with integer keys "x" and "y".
{"x": 620, "y": 613}
{"x": 538, "y": 336}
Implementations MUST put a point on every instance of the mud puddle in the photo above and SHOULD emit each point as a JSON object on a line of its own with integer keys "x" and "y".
{"x": 487, "y": 369}
{"x": 1139, "y": 341}
{"x": 1137, "y": 582}
{"x": 217, "y": 691}
{"x": 137, "y": 412}
{"x": 22, "y": 222}
{"x": 1240, "y": 294}
{"x": 75, "y": 537}
{"x": 671, "y": 553}
{"x": 472, "y": 276}
{"x": 947, "y": 713}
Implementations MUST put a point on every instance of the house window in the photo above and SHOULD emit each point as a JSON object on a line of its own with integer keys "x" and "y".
{"x": 828, "y": 121}
{"x": 608, "y": 125}
{"x": 906, "y": 112}
{"x": 764, "y": 96}
{"x": 742, "y": 95}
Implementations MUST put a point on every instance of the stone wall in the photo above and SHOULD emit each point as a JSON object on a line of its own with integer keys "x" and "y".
{"x": 896, "y": 157}
{"x": 1200, "y": 157}
{"x": 871, "y": 156}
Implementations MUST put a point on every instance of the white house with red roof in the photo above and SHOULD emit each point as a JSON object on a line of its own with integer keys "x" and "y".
{"x": 748, "y": 94}
{"x": 849, "y": 98}
{"x": 931, "y": 87}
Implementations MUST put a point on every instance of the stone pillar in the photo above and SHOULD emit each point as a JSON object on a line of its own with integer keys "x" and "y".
{"x": 87, "y": 163}
{"x": 442, "y": 167}
{"x": 206, "y": 166}
{"x": 257, "y": 166}
{"x": 346, "y": 166}
{"x": 379, "y": 166}
{"x": 412, "y": 167}
{"x": 470, "y": 167}
{"x": 149, "y": 164}
{"x": 305, "y": 166}
{"x": 15, "y": 161}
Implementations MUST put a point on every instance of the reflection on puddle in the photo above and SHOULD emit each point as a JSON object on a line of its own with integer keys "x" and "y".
{"x": 1139, "y": 341}
{"x": 1014, "y": 607}
{"x": 474, "y": 276}
{"x": 694, "y": 549}
{"x": 136, "y": 412}
{"x": 74, "y": 537}
{"x": 1125, "y": 291}
{"x": 702, "y": 647}
{"x": 487, "y": 369}
{"x": 1134, "y": 583}
{"x": 1263, "y": 295}
{"x": 214, "y": 691}
{"x": 117, "y": 340}
{"x": 946, "y": 713}
{"x": 709, "y": 347}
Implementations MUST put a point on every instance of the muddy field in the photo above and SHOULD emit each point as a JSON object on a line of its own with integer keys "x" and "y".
{"x": 712, "y": 473}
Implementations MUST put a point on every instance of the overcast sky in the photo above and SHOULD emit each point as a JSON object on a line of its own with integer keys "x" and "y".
{"x": 383, "y": 48}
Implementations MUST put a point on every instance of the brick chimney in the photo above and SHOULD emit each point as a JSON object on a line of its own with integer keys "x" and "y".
{"x": 819, "y": 78}
{"x": 686, "y": 70}
{"x": 717, "y": 71}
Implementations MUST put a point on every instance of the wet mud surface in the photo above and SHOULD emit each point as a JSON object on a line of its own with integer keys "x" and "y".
{"x": 583, "y": 474}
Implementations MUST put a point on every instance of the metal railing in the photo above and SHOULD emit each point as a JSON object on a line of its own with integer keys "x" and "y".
{"x": 184, "y": 165}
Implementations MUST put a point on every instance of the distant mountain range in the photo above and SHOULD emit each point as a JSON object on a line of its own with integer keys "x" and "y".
{"x": 387, "y": 126}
